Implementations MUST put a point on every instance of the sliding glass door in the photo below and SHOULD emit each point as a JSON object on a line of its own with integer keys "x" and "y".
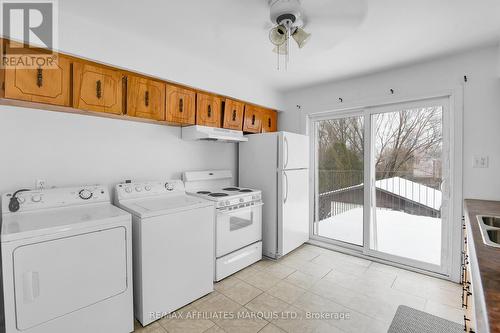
{"x": 340, "y": 164}
{"x": 381, "y": 182}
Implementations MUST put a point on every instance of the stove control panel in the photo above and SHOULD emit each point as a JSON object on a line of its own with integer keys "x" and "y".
{"x": 56, "y": 197}
{"x": 151, "y": 188}
{"x": 240, "y": 202}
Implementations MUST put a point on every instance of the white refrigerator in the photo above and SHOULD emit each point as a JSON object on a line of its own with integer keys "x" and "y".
{"x": 278, "y": 165}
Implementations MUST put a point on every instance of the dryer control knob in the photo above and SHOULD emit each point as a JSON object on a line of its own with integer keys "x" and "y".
{"x": 128, "y": 189}
{"x": 138, "y": 188}
{"x": 85, "y": 194}
{"x": 169, "y": 187}
{"x": 147, "y": 188}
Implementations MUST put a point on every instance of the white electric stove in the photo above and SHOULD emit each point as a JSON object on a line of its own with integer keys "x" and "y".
{"x": 238, "y": 227}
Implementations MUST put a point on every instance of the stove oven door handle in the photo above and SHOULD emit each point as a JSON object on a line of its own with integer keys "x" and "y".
{"x": 227, "y": 212}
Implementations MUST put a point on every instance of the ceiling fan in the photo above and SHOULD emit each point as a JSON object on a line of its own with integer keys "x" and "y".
{"x": 289, "y": 19}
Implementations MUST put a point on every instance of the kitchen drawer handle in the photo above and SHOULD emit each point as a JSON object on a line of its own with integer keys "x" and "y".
{"x": 209, "y": 111}
{"x": 181, "y": 105}
{"x": 146, "y": 98}
{"x": 253, "y": 119}
{"x": 98, "y": 89}
{"x": 39, "y": 77}
{"x": 234, "y": 115}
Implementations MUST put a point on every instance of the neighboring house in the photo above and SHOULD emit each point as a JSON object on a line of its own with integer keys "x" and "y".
{"x": 392, "y": 193}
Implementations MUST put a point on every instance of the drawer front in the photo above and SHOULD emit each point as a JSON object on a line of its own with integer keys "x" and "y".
{"x": 208, "y": 110}
{"x": 269, "y": 121}
{"x": 252, "y": 120}
{"x": 40, "y": 85}
{"x": 180, "y": 105}
{"x": 97, "y": 89}
{"x": 145, "y": 98}
{"x": 233, "y": 115}
{"x": 237, "y": 260}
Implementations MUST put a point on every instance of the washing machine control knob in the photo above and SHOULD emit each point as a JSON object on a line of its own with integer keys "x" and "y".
{"x": 147, "y": 188}
{"x": 169, "y": 187}
{"x": 128, "y": 189}
{"x": 85, "y": 194}
{"x": 138, "y": 188}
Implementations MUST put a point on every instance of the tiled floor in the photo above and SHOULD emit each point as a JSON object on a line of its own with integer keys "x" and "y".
{"x": 283, "y": 296}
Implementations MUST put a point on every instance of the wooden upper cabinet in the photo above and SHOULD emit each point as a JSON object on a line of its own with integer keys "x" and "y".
{"x": 252, "y": 119}
{"x": 41, "y": 85}
{"x": 145, "y": 98}
{"x": 97, "y": 88}
{"x": 208, "y": 110}
{"x": 180, "y": 105}
{"x": 233, "y": 115}
{"x": 269, "y": 120}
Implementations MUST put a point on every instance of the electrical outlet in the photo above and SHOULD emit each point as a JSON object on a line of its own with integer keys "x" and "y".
{"x": 480, "y": 162}
{"x": 40, "y": 184}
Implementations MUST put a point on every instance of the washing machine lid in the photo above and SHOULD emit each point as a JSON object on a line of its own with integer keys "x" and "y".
{"x": 163, "y": 205}
{"x": 51, "y": 221}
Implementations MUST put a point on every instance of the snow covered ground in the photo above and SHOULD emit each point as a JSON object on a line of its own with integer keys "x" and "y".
{"x": 398, "y": 233}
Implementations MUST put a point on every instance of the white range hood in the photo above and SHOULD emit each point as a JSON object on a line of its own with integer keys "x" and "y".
{"x": 197, "y": 132}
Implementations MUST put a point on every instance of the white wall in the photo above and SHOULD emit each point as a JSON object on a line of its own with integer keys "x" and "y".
{"x": 69, "y": 150}
{"x": 481, "y": 111}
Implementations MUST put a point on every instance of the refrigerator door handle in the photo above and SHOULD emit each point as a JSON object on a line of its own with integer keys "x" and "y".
{"x": 285, "y": 140}
{"x": 285, "y": 198}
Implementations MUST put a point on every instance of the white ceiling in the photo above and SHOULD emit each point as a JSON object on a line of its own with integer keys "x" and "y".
{"x": 234, "y": 33}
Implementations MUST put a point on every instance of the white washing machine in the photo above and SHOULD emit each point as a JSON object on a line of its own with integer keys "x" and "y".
{"x": 173, "y": 246}
{"x": 66, "y": 262}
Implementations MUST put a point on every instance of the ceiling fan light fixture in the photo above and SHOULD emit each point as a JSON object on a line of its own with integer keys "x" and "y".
{"x": 278, "y": 35}
{"x": 301, "y": 37}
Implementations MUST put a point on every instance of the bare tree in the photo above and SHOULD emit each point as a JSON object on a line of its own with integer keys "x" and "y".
{"x": 405, "y": 135}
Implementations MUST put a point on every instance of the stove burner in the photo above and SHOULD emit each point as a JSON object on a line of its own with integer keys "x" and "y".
{"x": 246, "y": 190}
{"x": 203, "y": 192}
{"x": 218, "y": 194}
{"x": 230, "y": 189}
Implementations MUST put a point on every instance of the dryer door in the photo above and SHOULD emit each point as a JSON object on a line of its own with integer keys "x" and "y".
{"x": 56, "y": 277}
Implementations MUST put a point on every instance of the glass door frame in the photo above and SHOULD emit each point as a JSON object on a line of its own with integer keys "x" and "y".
{"x": 360, "y": 112}
{"x": 368, "y": 112}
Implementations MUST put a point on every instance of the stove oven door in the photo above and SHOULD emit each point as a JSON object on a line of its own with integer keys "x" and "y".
{"x": 238, "y": 228}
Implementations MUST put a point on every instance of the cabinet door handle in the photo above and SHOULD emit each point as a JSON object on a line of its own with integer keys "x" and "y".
{"x": 39, "y": 77}
{"x": 146, "y": 98}
{"x": 181, "y": 105}
{"x": 269, "y": 122}
{"x": 253, "y": 119}
{"x": 98, "y": 89}
{"x": 209, "y": 111}
{"x": 234, "y": 115}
